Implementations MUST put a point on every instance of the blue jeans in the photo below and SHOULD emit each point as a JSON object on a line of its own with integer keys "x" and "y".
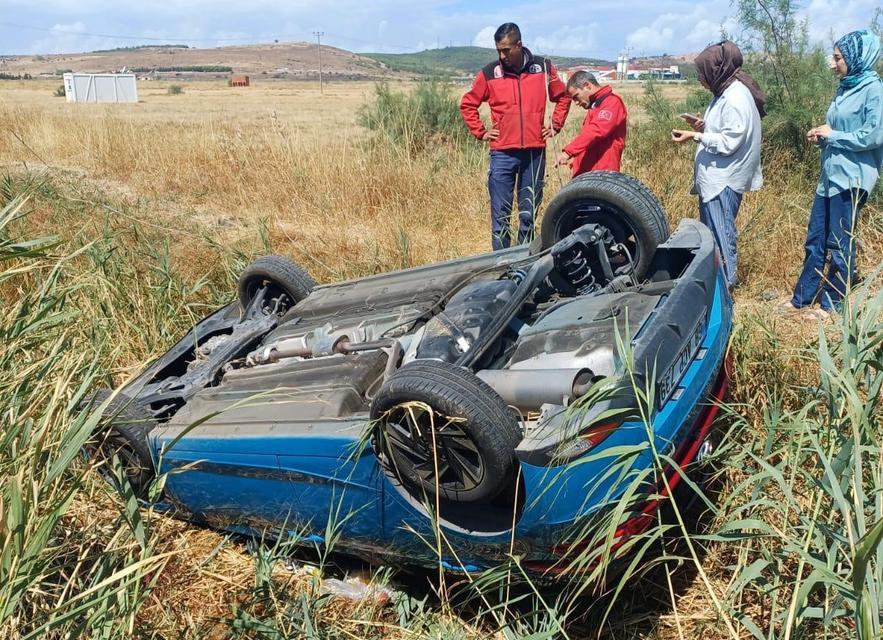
{"x": 829, "y": 232}
{"x": 527, "y": 167}
{"x": 719, "y": 215}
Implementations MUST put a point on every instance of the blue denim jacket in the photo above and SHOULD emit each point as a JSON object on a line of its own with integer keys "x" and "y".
{"x": 853, "y": 153}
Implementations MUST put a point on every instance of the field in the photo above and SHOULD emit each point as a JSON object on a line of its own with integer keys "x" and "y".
{"x": 157, "y": 205}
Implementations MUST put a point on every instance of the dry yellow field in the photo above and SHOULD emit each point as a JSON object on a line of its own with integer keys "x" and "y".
{"x": 299, "y": 105}
{"x": 221, "y": 160}
{"x": 279, "y": 167}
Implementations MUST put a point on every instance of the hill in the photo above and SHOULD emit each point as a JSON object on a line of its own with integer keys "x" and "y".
{"x": 287, "y": 60}
{"x": 456, "y": 60}
{"x": 292, "y": 60}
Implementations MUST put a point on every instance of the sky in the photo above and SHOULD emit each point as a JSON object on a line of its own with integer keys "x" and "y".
{"x": 600, "y": 29}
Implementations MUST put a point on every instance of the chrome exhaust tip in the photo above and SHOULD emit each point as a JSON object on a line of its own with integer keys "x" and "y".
{"x": 705, "y": 450}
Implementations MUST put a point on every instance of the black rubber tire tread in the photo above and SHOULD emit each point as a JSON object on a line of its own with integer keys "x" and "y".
{"x": 634, "y": 188}
{"x": 645, "y": 213}
{"x": 130, "y": 422}
{"x": 458, "y": 392}
{"x": 284, "y": 271}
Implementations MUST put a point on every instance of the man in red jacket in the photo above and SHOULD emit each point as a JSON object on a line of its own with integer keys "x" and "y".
{"x": 599, "y": 144}
{"x": 516, "y": 88}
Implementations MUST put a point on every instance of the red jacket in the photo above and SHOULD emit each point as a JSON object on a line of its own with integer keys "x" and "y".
{"x": 599, "y": 144}
{"x": 517, "y": 102}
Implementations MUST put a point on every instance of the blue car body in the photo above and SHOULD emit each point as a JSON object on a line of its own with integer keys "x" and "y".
{"x": 256, "y": 453}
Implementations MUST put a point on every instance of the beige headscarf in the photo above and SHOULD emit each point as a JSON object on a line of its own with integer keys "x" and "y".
{"x": 720, "y": 65}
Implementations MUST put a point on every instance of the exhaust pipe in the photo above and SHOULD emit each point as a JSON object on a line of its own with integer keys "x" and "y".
{"x": 529, "y": 389}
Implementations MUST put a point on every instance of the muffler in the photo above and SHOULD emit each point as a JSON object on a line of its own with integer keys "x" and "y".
{"x": 529, "y": 389}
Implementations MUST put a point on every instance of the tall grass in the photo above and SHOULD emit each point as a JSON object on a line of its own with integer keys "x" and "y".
{"x": 55, "y": 578}
{"x": 805, "y": 513}
{"x": 151, "y": 221}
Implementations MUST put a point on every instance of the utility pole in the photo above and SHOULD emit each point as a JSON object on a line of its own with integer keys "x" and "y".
{"x": 628, "y": 56}
{"x": 319, "y": 35}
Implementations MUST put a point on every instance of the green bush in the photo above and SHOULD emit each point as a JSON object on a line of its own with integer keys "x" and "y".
{"x": 175, "y": 90}
{"x": 59, "y": 91}
{"x": 795, "y": 75}
{"x": 428, "y": 117}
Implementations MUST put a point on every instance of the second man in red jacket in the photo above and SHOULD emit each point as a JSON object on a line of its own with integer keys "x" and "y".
{"x": 599, "y": 144}
{"x": 516, "y": 87}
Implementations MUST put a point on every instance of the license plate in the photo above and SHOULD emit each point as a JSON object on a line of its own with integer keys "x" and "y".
{"x": 669, "y": 380}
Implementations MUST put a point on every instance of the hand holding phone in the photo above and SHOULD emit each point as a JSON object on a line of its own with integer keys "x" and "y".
{"x": 696, "y": 123}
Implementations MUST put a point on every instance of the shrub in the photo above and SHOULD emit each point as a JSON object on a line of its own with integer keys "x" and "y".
{"x": 793, "y": 73}
{"x": 59, "y": 91}
{"x": 427, "y": 117}
{"x": 175, "y": 90}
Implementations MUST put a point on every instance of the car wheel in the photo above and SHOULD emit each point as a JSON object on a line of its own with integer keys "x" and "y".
{"x": 441, "y": 430}
{"x": 122, "y": 432}
{"x": 613, "y": 200}
{"x": 282, "y": 283}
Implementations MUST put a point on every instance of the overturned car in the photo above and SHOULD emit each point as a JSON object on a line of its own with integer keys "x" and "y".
{"x": 475, "y": 397}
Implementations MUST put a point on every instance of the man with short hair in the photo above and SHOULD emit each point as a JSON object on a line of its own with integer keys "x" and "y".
{"x": 516, "y": 88}
{"x": 601, "y": 140}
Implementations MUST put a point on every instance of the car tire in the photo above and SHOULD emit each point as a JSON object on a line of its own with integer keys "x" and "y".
{"x": 474, "y": 430}
{"x": 123, "y": 431}
{"x": 613, "y": 200}
{"x": 287, "y": 283}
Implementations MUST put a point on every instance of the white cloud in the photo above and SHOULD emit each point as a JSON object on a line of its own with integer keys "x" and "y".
{"x": 568, "y": 40}
{"x": 562, "y": 27}
{"x": 654, "y": 38}
{"x": 680, "y": 32}
{"x": 828, "y": 21}
{"x": 76, "y": 27}
{"x": 706, "y": 32}
{"x": 67, "y": 37}
{"x": 484, "y": 38}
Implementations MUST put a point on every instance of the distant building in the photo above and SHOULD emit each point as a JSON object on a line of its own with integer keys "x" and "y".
{"x": 239, "y": 81}
{"x": 603, "y": 74}
{"x": 626, "y": 70}
{"x": 666, "y": 73}
{"x": 635, "y": 72}
{"x": 100, "y": 87}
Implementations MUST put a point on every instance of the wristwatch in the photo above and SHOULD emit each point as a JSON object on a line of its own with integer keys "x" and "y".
{"x": 697, "y": 137}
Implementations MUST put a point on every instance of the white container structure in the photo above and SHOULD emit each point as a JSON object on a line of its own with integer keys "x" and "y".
{"x": 100, "y": 87}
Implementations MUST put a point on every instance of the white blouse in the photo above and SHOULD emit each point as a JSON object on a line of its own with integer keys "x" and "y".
{"x": 728, "y": 153}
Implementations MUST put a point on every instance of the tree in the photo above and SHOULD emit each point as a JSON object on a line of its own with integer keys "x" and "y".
{"x": 793, "y": 73}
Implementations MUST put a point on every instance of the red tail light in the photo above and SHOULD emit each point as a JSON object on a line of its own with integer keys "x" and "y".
{"x": 595, "y": 434}
{"x": 585, "y": 441}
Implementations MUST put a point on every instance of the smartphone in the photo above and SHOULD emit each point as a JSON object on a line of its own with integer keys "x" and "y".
{"x": 689, "y": 117}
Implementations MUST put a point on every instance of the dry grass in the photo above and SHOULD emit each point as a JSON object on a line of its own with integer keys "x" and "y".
{"x": 219, "y": 170}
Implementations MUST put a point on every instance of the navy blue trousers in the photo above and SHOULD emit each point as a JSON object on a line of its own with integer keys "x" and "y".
{"x": 829, "y": 231}
{"x": 524, "y": 168}
{"x": 719, "y": 215}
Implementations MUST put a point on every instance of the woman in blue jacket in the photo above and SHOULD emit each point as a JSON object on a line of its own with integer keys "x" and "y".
{"x": 852, "y": 154}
